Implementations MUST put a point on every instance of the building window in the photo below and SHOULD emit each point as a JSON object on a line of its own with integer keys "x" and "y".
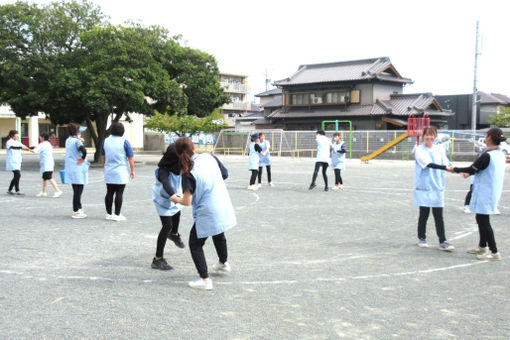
{"x": 301, "y": 99}
{"x": 336, "y": 97}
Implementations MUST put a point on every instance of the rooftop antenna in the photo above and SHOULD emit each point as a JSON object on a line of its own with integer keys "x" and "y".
{"x": 267, "y": 80}
{"x": 475, "y": 90}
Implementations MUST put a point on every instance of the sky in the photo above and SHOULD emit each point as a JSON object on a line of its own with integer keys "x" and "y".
{"x": 432, "y": 42}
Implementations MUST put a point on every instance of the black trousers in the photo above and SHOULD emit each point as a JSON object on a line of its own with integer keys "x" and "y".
{"x": 77, "y": 192}
{"x": 169, "y": 224}
{"x": 15, "y": 180}
{"x": 118, "y": 191}
{"x": 438, "y": 219}
{"x": 338, "y": 177}
{"x": 197, "y": 252}
{"x": 324, "y": 166}
{"x": 467, "y": 200}
{"x": 486, "y": 232}
{"x": 268, "y": 168}
{"x": 253, "y": 177}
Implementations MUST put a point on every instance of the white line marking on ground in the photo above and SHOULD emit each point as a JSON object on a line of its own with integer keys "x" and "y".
{"x": 265, "y": 282}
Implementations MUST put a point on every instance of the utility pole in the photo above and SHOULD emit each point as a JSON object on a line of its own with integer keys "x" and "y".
{"x": 475, "y": 90}
{"x": 267, "y": 80}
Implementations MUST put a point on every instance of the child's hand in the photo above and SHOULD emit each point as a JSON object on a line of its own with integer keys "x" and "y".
{"x": 175, "y": 198}
{"x": 464, "y": 175}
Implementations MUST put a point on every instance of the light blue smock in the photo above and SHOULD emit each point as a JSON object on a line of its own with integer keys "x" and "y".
{"x": 13, "y": 157}
{"x": 428, "y": 182}
{"x": 338, "y": 159}
{"x": 45, "y": 151}
{"x": 253, "y": 158}
{"x": 264, "y": 160}
{"x": 161, "y": 199}
{"x": 488, "y": 185}
{"x": 75, "y": 173}
{"x": 323, "y": 149}
{"x": 212, "y": 208}
{"x": 116, "y": 165}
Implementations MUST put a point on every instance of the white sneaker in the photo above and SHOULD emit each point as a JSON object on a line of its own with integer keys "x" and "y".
{"x": 109, "y": 217}
{"x": 222, "y": 267}
{"x": 253, "y": 187}
{"x": 466, "y": 209}
{"x": 271, "y": 184}
{"x": 42, "y": 194}
{"x": 335, "y": 188}
{"x": 497, "y": 212}
{"x": 78, "y": 214}
{"x": 477, "y": 250}
{"x": 422, "y": 243}
{"x": 118, "y": 218}
{"x": 201, "y": 284}
{"x": 490, "y": 257}
{"x": 342, "y": 186}
{"x": 57, "y": 194}
{"x": 259, "y": 186}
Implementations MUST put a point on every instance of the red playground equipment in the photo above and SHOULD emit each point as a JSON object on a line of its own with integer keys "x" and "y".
{"x": 416, "y": 125}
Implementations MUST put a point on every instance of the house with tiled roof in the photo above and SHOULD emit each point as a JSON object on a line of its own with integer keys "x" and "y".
{"x": 368, "y": 92}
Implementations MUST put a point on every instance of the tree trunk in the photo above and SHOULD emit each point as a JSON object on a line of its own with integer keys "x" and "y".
{"x": 99, "y": 135}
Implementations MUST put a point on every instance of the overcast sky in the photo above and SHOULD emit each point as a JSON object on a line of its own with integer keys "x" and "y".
{"x": 432, "y": 42}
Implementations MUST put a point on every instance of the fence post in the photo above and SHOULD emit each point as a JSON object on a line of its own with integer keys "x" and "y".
{"x": 453, "y": 146}
{"x": 367, "y": 142}
{"x": 395, "y": 137}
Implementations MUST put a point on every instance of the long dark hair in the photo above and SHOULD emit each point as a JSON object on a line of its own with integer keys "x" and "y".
{"x": 73, "y": 128}
{"x": 170, "y": 160}
{"x": 496, "y": 135}
{"x": 184, "y": 150}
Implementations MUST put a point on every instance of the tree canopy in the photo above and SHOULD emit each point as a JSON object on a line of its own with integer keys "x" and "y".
{"x": 502, "y": 118}
{"x": 65, "y": 60}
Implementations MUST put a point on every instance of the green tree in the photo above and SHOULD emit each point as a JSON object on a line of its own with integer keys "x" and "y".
{"x": 186, "y": 123}
{"x": 502, "y": 118}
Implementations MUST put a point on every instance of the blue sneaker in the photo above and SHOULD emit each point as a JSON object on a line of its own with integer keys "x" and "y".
{"x": 422, "y": 243}
{"x": 446, "y": 246}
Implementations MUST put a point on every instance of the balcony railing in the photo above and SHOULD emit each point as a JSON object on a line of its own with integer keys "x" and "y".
{"x": 237, "y": 106}
{"x": 237, "y": 88}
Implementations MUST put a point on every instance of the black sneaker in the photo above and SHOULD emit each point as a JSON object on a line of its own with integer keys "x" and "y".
{"x": 176, "y": 239}
{"x": 19, "y": 193}
{"x": 326, "y": 189}
{"x": 10, "y": 192}
{"x": 160, "y": 264}
{"x": 311, "y": 186}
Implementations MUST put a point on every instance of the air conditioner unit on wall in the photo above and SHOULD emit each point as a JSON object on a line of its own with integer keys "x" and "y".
{"x": 317, "y": 100}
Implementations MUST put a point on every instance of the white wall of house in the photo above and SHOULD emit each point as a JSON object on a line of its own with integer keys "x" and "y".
{"x": 366, "y": 94}
{"x": 383, "y": 91}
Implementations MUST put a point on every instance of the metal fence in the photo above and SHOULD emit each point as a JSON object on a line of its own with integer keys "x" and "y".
{"x": 302, "y": 143}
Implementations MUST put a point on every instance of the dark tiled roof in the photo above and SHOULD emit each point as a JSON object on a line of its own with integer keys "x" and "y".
{"x": 268, "y": 93}
{"x": 262, "y": 120}
{"x": 361, "y": 110}
{"x": 493, "y": 98}
{"x": 365, "y": 69}
{"x": 407, "y": 104}
{"x": 277, "y": 102}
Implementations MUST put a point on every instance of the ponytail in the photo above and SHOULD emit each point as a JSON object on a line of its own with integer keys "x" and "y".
{"x": 496, "y": 135}
{"x": 184, "y": 149}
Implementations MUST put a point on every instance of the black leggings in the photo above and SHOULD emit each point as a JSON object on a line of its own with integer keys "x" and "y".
{"x": 15, "y": 180}
{"x": 118, "y": 191}
{"x": 438, "y": 219}
{"x": 253, "y": 176}
{"x": 316, "y": 171}
{"x": 338, "y": 177}
{"x": 77, "y": 191}
{"x": 486, "y": 233}
{"x": 197, "y": 252}
{"x": 268, "y": 168}
{"x": 169, "y": 224}
{"x": 467, "y": 200}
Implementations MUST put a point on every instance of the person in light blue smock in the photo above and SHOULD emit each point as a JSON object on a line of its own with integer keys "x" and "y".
{"x": 324, "y": 147}
{"x": 489, "y": 171}
{"x": 13, "y": 161}
{"x": 119, "y": 166}
{"x": 338, "y": 160}
{"x": 264, "y": 159}
{"x": 213, "y": 213}
{"x": 253, "y": 160}
{"x": 430, "y": 163}
{"x": 168, "y": 183}
{"x": 47, "y": 165}
{"x": 76, "y": 167}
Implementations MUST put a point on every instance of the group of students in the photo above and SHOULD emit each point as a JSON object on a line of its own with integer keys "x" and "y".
{"x": 185, "y": 178}
{"x": 329, "y": 151}
{"x": 487, "y": 186}
{"x": 259, "y": 157}
{"x": 116, "y": 155}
